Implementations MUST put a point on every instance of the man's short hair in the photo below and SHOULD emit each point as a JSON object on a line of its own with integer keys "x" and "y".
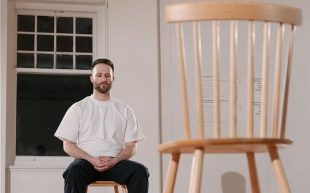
{"x": 102, "y": 61}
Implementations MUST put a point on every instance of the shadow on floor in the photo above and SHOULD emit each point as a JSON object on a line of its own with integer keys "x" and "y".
{"x": 233, "y": 182}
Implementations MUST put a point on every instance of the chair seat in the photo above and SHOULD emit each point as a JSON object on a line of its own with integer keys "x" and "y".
{"x": 108, "y": 184}
{"x": 104, "y": 183}
{"x": 223, "y": 145}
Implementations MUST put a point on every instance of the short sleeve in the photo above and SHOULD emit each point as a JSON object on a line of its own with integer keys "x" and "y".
{"x": 69, "y": 126}
{"x": 133, "y": 130}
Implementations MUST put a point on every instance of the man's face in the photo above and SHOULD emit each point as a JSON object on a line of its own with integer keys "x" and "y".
{"x": 102, "y": 78}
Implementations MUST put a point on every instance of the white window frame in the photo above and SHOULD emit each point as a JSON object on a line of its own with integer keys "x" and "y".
{"x": 99, "y": 13}
{"x": 52, "y": 9}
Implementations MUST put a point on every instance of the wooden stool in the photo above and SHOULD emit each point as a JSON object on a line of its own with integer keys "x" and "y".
{"x": 108, "y": 184}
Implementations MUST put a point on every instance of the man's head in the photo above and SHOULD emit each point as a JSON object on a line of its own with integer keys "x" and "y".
{"x": 102, "y": 61}
{"x": 102, "y": 75}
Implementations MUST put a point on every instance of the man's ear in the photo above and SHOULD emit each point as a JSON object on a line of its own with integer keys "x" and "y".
{"x": 91, "y": 78}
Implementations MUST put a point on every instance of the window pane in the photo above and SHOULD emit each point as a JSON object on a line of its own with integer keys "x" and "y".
{"x": 42, "y": 101}
{"x": 64, "y": 61}
{"x": 45, "y": 24}
{"x": 25, "y": 42}
{"x": 45, "y": 60}
{"x": 65, "y": 25}
{"x": 45, "y": 43}
{"x": 64, "y": 44}
{"x": 25, "y": 23}
{"x": 84, "y": 44}
{"x": 25, "y": 60}
{"x": 84, "y": 26}
{"x": 83, "y": 62}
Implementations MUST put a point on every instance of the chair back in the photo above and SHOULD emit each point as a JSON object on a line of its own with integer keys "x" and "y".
{"x": 234, "y": 63}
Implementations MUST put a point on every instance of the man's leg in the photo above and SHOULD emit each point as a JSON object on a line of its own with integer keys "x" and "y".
{"x": 133, "y": 174}
{"x": 78, "y": 175}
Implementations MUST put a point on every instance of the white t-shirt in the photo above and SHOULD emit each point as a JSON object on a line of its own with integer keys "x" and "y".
{"x": 100, "y": 128}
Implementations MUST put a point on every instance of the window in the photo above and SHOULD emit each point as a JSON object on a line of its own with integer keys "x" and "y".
{"x": 55, "y": 50}
{"x": 54, "y": 42}
{"x": 42, "y": 101}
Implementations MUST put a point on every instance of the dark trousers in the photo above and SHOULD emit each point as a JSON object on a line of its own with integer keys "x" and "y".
{"x": 80, "y": 173}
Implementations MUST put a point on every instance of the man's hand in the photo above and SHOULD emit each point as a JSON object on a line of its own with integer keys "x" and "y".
{"x": 103, "y": 163}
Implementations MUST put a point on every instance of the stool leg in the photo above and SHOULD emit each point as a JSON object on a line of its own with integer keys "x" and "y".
{"x": 195, "y": 180}
{"x": 124, "y": 189}
{"x": 171, "y": 173}
{"x": 253, "y": 172}
{"x": 279, "y": 170}
{"x": 116, "y": 189}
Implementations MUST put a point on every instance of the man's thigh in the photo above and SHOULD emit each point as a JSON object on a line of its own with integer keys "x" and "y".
{"x": 123, "y": 170}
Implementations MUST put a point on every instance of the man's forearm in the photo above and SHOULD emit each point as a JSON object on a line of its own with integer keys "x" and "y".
{"x": 127, "y": 152}
{"x": 74, "y": 151}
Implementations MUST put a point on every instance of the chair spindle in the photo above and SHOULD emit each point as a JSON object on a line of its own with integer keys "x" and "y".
{"x": 216, "y": 84}
{"x": 287, "y": 81}
{"x": 198, "y": 63}
{"x": 277, "y": 79}
{"x": 183, "y": 77}
{"x": 264, "y": 92}
{"x": 250, "y": 78}
{"x": 233, "y": 78}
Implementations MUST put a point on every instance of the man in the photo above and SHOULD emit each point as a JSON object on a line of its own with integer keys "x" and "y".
{"x": 101, "y": 133}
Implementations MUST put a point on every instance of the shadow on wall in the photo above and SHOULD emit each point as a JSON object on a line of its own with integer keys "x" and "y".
{"x": 233, "y": 182}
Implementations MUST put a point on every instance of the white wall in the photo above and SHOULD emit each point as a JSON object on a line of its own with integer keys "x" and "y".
{"x": 216, "y": 167}
{"x": 3, "y": 40}
{"x": 132, "y": 40}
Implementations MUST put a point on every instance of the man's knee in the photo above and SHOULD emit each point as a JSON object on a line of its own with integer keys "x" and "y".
{"x": 143, "y": 171}
{"x": 76, "y": 169}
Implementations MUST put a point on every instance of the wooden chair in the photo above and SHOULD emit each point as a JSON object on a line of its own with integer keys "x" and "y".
{"x": 239, "y": 83}
{"x": 108, "y": 184}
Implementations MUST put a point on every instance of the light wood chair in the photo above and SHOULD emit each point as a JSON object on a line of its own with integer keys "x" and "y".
{"x": 108, "y": 184}
{"x": 238, "y": 83}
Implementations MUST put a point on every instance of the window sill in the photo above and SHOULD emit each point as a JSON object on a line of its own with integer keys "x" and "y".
{"x": 51, "y": 71}
{"x": 41, "y": 162}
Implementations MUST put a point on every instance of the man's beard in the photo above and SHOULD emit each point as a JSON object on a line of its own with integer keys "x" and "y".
{"x": 103, "y": 87}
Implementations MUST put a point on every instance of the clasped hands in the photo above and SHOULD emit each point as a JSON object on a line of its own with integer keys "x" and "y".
{"x": 103, "y": 163}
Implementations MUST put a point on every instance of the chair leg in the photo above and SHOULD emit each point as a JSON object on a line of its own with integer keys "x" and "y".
{"x": 253, "y": 172}
{"x": 124, "y": 189}
{"x": 195, "y": 180}
{"x": 172, "y": 173}
{"x": 116, "y": 189}
{"x": 278, "y": 169}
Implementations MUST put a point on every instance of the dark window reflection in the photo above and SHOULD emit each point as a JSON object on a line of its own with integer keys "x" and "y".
{"x": 35, "y": 125}
{"x": 83, "y": 62}
{"x": 25, "y": 60}
{"x": 84, "y": 44}
{"x": 65, "y": 25}
{"x": 64, "y": 43}
{"x": 25, "y": 42}
{"x": 45, "y": 60}
{"x": 84, "y": 26}
{"x": 45, "y": 24}
{"x": 45, "y": 43}
{"x": 25, "y": 23}
{"x": 64, "y": 61}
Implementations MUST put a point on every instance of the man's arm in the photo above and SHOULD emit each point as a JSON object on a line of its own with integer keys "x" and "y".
{"x": 128, "y": 151}
{"x": 74, "y": 151}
